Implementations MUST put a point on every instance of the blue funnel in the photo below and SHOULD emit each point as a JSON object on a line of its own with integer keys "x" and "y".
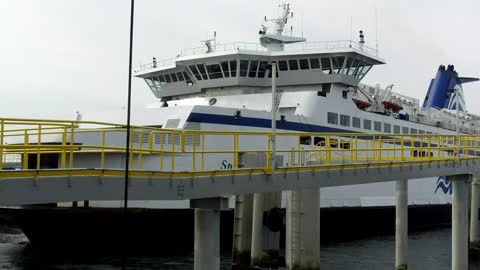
{"x": 440, "y": 94}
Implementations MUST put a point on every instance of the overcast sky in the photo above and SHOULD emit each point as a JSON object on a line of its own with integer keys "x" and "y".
{"x": 60, "y": 56}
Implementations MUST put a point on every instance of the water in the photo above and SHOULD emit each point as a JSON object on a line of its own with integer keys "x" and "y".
{"x": 427, "y": 250}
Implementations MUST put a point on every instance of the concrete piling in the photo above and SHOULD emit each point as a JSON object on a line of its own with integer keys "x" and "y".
{"x": 401, "y": 225}
{"x": 460, "y": 222}
{"x": 242, "y": 234}
{"x": 207, "y": 239}
{"x": 474, "y": 209}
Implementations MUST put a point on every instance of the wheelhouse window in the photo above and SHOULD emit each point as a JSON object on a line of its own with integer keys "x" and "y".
{"x": 293, "y": 64}
{"x": 243, "y": 68}
{"x": 203, "y": 71}
{"x": 314, "y": 63}
{"x": 348, "y": 64}
{"x": 270, "y": 73}
{"x": 364, "y": 71}
{"x": 326, "y": 66}
{"x": 282, "y": 65}
{"x": 150, "y": 83}
{"x": 214, "y": 71}
{"x": 356, "y": 122}
{"x": 262, "y": 69}
{"x": 233, "y": 68}
{"x": 303, "y": 64}
{"x": 187, "y": 79}
{"x": 156, "y": 83}
{"x": 377, "y": 126}
{"x": 195, "y": 72}
{"x": 367, "y": 124}
{"x": 162, "y": 79}
{"x": 253, "y": 69}
{"x": 338, "y": 64}
{"x": 225, "y": 69}
{"x": 174, "y": 77}
{"x": 167, "y": 78}
{"x": 332, "y": 118}
{"x": 180, "y": 76}
{"x": 344, "y": 120}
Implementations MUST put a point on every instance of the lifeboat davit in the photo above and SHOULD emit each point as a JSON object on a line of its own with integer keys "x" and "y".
{"x": 361, "y": 104}
{"x": 392, "y": 106}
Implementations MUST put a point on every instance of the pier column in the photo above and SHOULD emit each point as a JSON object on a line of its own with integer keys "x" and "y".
{"x": 265, "y": 242}
{"x": 242, "y": 234}
{"x": 401, "y": 225}
{"x": 460, "y": 221}
{"x": 474, "y": 209}
{"x": 302, "y": 239}
{"x": 207, "y": 232}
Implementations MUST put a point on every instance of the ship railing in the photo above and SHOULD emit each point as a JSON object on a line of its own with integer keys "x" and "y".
{"x": 157, "y": 64}
{"x": 42, "y": 144}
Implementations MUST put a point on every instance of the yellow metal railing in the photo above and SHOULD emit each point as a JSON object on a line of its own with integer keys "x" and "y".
{"x": 192, "y": 150}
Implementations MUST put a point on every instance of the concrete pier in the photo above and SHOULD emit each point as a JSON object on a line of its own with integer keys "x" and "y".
{"x": 474, "y": 209}
{"x": 302, "y": 241}
{"x": 242, "y": 232}
{"x": 265, "y": 243}
{"x": 401, "y": 225}
{"x": 460, "y": 221}
{"x": 207, "y": 239}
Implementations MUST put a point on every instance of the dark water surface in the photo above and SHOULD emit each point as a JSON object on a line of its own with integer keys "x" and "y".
{"x": 427, "y": 250}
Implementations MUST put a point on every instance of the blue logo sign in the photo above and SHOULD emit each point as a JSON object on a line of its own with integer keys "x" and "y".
{"x": 444, "y": 185}
{"x": 226, "y": 165}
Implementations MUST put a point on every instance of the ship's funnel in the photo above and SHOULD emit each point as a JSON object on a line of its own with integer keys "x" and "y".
{"x": 441, "y": 92}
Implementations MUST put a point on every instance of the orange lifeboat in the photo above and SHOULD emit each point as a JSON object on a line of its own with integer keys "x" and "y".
{"x": 361, "y": 104}
{"x": 392, "y": 106}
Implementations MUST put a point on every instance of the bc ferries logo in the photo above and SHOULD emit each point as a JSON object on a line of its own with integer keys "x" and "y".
{"x": 444, "y": 185}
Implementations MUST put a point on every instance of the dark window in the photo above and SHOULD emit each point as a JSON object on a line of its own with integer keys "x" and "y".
{"x": 243, "y": 68}
{"x": 421, "y": 131}
{"x": 377, "y": 126}
{"x": 187, "y": 79}
{"x": 344, "y": 120}
{"x": 333, "y": 143}
{"x": 387, "y": 128}
{"x": 413, "y": 131}
{"x": 226, "y": 71}
{"x": 253, "y": 69}
{"x": 195, "y": 72}
{"x": 282, "y": 65}
{"x": 326, "y": 87}
{"x": 332, "y": 118}
{"x": 262, "y": 69}
{"x": 293, "y": 64}
{"x": 347, "y": 65}
{"x": 214, "y": 71}
{"x": 167, "y": 78}
{"x": 345, "y": 145}
{"x": 174, "y": 77}
{"x": 356, "y": 122}
{"x": 305, "y": 140}
{"x": 405, "y": 130}
{"x": 321, "y": 94}
{"x": 326, "y": 66}
{"x": 203, "y": 71}
{"x": 233, "y": 68}
{"x": 162, "y": 79}
{"x": 303, "y": 64}
{"x": 367, "y": 124}
{"x": 314, "y": 63}
{"x": 338, "y": 64}
{"x": 270, "y": 73}
{"x": 396, "y": 129}
{"x": 180, "y": 76}
{"x": 319, "y": 141}
{"x": 345, "y": 94}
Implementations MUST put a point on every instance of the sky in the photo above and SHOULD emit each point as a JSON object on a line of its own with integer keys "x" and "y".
{"x": 62, "y": 56}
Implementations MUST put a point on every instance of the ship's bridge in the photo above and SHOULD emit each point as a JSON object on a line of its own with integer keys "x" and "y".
{"x": 245, "y": 66}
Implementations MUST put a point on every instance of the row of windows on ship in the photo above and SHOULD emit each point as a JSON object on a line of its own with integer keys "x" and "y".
{"x": 356, "y": 122}
{"x": 258, "y": 69}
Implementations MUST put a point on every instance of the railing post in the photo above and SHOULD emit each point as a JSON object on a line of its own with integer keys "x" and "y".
{"x": 39, "y": 142}
{"x": 402, "y": 146}
{"x": 194, "y": 152}
{"x": 162, "y": 146}
{"x": 103, "y": 150}
{"x": 203, "y": 152}
{"x": 172, "y": 162}
{"x": 140, "y": 149}
{"x": 25, "y": 152}
{"x": 72, "y": 138}
{"x": 130, "y": 165}
{"x": 63, "y": 159}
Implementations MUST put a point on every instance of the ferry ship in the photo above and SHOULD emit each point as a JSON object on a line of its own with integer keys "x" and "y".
{"x": 228, "y": 87}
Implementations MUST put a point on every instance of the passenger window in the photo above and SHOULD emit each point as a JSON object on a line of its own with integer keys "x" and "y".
{"x": 319, "y": 141}
{"x": 314, "y": 63}
{"x": 367, "y": 124}
{"x": 332, "y": 118}
{"x": 253, "y": 69}
{"x": 396, "y": 129}
{"x": 226, "y": 71}
{"x": 326, "y": 66}
{"x": 282, "y": 65}
{"x": 377, "y": 126}
{"x": 303, "y": 64}
{"x": 413, "y": 131}
{"x": 293, "y": 64}
{"x": 243, "y": 68}
{"x": 387, "y": 128}
{"x": 305, "y": 140}
{"x": 344, "y": 120}
{"x": 356, "y": 122}
{"x": 405, "y": 130}
{"x": 233, "y": 68}
{"x": 262, "y": 69}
